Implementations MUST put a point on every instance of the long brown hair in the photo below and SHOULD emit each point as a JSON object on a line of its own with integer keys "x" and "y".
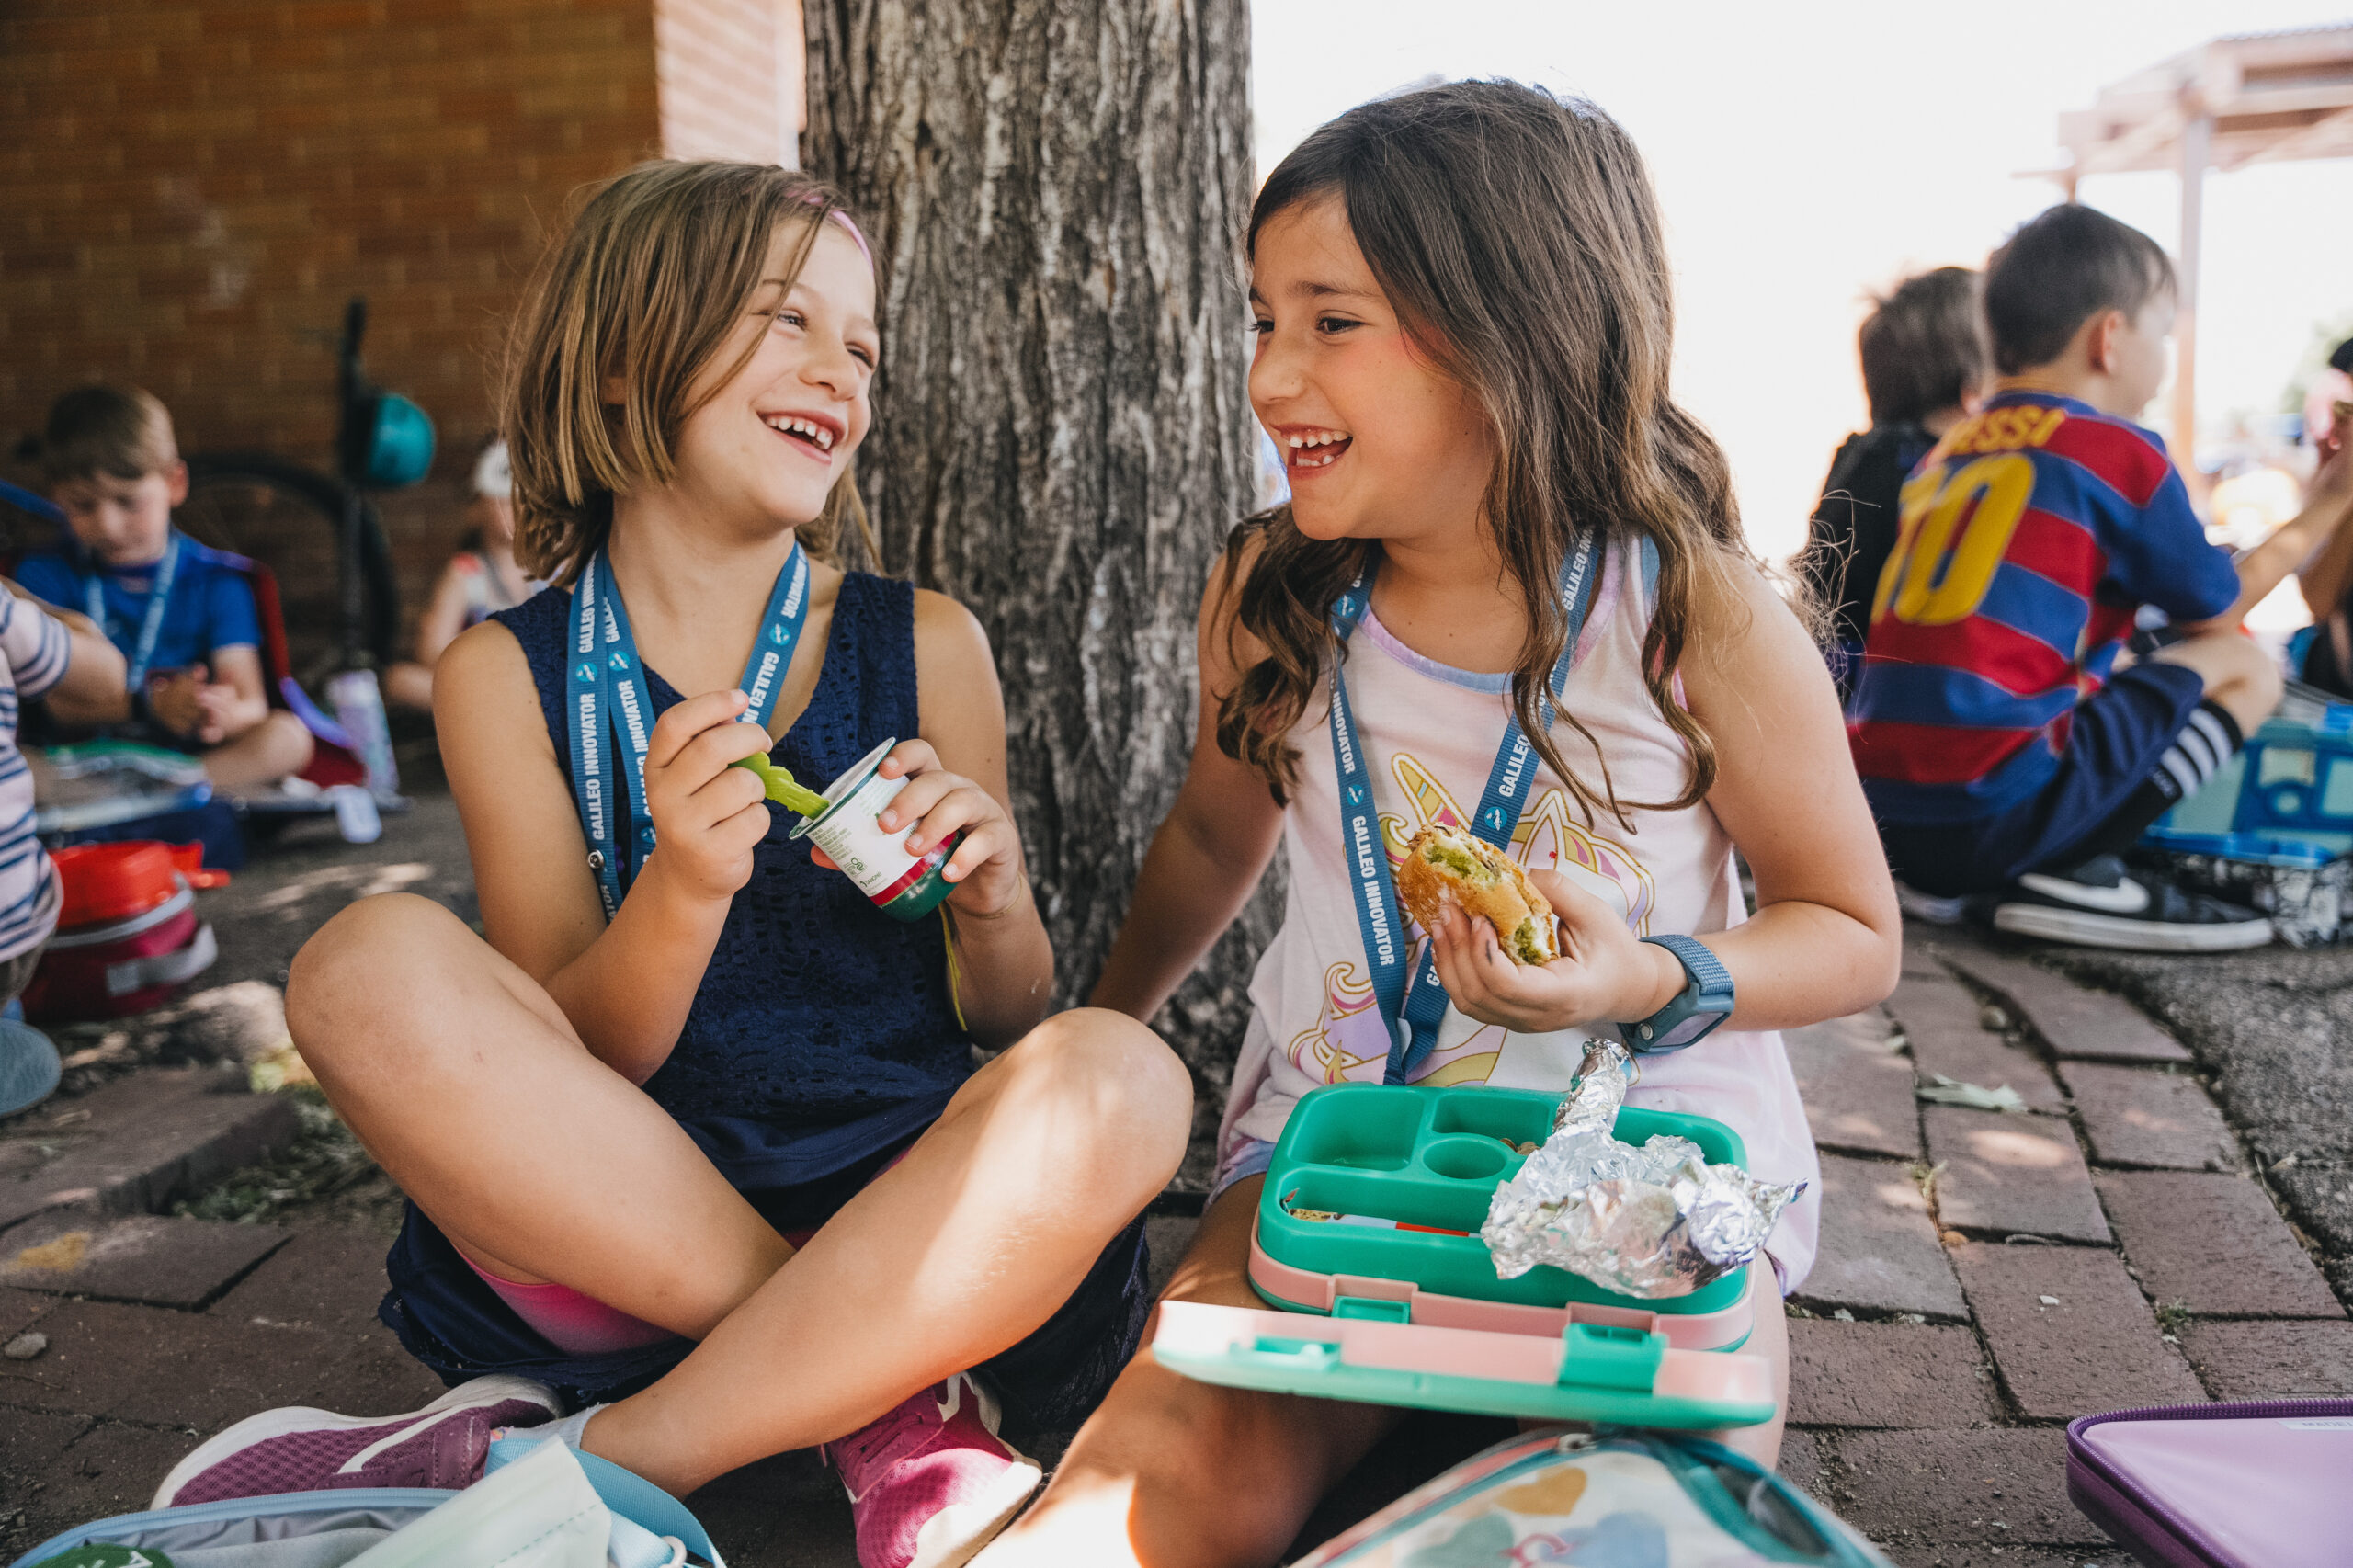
{"x": 641, "y": 291}
{"x": 1517, "y": 236}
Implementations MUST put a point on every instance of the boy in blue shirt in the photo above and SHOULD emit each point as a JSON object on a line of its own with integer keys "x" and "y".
{"x": 182, "y": 615}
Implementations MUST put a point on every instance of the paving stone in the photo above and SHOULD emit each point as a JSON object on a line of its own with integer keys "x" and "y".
{"x": 2272, "y": 1360}
{"x": 1887, "y": 1374}
{"x": 109, "y": 1469}
{"x": 785, "y": 1512}
{"x": 31, "y": 1442}
{"x": 1991, "y": 1487}
{"x": 164, "y": 1262}
{"x": 168, "y": 1135}
{"x": 1919, "y": 958}
{"x": 328, "y": 1278}
{"x": 2214, "y": 1244}
{"x": 1940, "y": 1021}
{"x": 2140, "y": 1116}
{"x": 2012, "y": 1176}
{"x": 1879, "y": 1250}
{"x": 2069, "y": 1331}
{"x": 1801, "y": 1461}
{"x": 2077, "y": 1023}
{"x": 170, "y": 1368}
{"x": 17, "y": 1310}
{"x": 1858, "y": 1092}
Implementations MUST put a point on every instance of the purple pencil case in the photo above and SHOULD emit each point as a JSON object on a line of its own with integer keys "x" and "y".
{"x": 2254, "y": 1485}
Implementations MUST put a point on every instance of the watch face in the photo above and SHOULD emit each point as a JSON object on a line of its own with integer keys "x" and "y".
{"x": 1686, "y": 1029}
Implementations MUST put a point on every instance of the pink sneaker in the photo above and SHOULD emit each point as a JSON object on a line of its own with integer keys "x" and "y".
{"x": 315, "y": 1451}
{"x": 931, "y": 1484}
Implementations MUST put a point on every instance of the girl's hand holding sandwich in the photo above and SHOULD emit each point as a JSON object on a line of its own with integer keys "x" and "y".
{"x": 1605, "y": 975}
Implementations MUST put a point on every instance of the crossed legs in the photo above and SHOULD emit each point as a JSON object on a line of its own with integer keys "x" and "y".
{"x": 464, "y": 1080}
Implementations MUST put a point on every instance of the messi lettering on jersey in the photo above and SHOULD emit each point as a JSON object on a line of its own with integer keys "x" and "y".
{"x": 2029, "y": 538}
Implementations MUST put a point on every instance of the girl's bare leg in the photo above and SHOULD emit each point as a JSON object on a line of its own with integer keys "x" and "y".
{"x": 1174, "y": 1473}
{"x": 464, "y": 1080}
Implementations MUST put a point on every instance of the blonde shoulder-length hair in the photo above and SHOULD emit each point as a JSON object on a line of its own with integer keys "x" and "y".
{"x": 637, "y": 296}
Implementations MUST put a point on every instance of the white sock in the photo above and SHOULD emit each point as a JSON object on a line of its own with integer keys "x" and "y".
{"x": 569, "y": 1429}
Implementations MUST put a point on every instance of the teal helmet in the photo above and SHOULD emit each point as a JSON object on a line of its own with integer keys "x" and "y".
{"x": 400, "y": 443}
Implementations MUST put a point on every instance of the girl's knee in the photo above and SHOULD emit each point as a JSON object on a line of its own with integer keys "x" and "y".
{"x": 1137, "y": 1096}
{"x": 287, "y": 740}
{"x": 354, "y": 963}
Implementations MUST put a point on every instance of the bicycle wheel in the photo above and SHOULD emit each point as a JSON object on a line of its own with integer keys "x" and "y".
{"x": 293, "y": 519}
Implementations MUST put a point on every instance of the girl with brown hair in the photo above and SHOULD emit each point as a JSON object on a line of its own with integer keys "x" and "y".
{"x": 1500, "y": 526}
{"x": 693, "y": 1131}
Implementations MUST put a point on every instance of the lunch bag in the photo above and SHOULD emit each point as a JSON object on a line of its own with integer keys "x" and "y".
{"x": 1610, "y": 1499}
{"x": 2248, "y": 1485}
{"x": 549, "y": 1507}
{"x": 126, "y": 932}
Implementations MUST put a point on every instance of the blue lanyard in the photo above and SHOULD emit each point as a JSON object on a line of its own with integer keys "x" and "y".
{"x": 1413, "y": 1016}
{"x": 142, "y": 654}
{"x": 605, "y": 679}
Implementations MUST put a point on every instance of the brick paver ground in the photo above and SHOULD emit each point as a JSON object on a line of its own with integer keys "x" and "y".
{"x": 1982, "y": 1276}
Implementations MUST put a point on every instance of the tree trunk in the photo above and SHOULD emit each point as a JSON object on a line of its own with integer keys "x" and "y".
{"x": 1062, "y": 435}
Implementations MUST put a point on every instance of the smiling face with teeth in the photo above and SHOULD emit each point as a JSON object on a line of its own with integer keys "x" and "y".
{"x": 764, "y": 446}
{"x": 1378, "y": 443}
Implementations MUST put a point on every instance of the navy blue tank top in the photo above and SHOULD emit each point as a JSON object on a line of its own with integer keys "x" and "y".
{"x": 823, "y": 1029}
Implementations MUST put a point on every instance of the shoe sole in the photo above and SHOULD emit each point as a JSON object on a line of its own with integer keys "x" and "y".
{"x": 481, "y": 1391}
{"x": 955, "y": 1535}
{"x": 2086, "y": 930}
{"x": 1930, "y": 909}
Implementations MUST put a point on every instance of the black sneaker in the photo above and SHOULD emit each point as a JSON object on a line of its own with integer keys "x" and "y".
{"x": 2097, "y": 905}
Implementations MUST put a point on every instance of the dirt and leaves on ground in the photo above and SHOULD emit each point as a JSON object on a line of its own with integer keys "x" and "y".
{"x": 324, "y": 1177}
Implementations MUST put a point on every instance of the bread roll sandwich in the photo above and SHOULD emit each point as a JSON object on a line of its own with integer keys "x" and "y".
{"x": 1453, "y": 863}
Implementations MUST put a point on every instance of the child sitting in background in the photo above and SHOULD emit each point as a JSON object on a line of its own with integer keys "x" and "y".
{"x": 480, "y": 579}
{"x": 182, "y": 615}
{"x": 40, "y": 655}
{"x": 2003, "y": 751}
{"x": 1926, "y": 369}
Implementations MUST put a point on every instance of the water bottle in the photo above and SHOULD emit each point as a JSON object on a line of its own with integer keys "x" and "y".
{"x": 358, "y": 706}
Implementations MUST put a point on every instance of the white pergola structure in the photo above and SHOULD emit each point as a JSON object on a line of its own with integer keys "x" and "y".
{"x": 2251, "y": 98}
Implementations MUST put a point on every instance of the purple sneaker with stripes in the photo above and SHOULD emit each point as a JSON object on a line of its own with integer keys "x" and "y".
{"x": 442, "y": 1445}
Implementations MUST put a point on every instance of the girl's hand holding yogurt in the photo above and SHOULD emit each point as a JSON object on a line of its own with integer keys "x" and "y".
{"x": 1605, "y": 975}
{"x": 985, "y": 870}
{"x": 708, "y": 815}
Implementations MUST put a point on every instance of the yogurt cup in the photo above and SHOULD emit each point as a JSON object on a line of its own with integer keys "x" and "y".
{"x": 903, "y": 886}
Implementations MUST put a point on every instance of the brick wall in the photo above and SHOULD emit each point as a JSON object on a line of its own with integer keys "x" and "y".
{"x": 190, "y": 190}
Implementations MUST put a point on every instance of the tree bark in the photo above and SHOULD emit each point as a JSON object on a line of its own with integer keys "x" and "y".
{"x": 1053, "y": 190}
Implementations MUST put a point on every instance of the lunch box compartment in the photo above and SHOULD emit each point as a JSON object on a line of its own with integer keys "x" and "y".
{"x": 1367, "y": 1130}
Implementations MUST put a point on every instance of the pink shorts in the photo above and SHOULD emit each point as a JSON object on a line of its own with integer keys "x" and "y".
{"x": 579, "y": 1325}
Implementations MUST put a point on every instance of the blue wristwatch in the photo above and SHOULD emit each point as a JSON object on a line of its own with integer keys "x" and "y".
{"x": 1700, "y": 1008}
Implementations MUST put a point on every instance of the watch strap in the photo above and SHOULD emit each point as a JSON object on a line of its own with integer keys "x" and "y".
{"x": 1692, "y": 1013}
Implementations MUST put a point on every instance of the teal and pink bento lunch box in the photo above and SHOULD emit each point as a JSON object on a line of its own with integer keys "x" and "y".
{"x": 1393, "y": 1299}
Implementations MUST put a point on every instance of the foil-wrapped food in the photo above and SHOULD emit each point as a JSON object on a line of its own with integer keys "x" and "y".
{"x": 1651, "y": 1222}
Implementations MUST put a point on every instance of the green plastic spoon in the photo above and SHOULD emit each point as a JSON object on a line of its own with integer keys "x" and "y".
{"x": 781, "y": 787}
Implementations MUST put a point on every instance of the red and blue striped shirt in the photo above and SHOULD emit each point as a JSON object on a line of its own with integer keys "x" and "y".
{"x": 2031, "y": 537}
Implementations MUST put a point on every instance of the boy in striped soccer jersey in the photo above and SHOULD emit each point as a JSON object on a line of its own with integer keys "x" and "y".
{"x": 2005, "y": 753}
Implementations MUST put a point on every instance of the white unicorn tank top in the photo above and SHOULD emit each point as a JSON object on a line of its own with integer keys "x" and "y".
{"x": 1429, "y": 733}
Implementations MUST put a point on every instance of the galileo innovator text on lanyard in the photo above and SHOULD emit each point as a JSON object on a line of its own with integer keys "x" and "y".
{"x": 604, "y": 685}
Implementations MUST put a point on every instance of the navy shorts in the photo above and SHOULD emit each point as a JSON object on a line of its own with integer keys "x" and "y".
{"x": 2113, "y": 748}
{"x": 448, "y": 1319}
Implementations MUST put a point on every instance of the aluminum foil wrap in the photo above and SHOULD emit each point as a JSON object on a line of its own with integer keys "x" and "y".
{"x": 1650, "y": 1222}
